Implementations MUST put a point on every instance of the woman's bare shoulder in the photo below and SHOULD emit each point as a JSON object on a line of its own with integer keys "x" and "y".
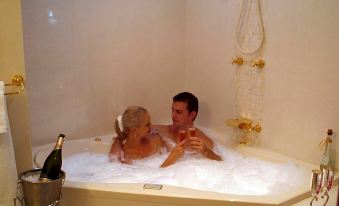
{"x": 156, "y": 140}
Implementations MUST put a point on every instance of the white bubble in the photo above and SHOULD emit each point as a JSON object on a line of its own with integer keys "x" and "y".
{"x": 236, "y": 174}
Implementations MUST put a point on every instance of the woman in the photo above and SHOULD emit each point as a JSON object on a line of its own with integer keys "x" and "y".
{"x": 134, "y": 130}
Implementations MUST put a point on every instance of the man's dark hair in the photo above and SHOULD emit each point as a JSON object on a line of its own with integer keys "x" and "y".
{"x": 189, "y": 99}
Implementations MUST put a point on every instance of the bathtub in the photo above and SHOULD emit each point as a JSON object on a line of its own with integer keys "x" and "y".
{"x": 89, "y": 193}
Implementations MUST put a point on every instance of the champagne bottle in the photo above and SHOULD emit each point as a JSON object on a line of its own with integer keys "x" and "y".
{"x": 326, "y": 162}
{"x": 53, "y": 162}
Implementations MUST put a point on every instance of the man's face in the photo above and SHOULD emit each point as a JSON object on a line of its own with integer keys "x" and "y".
{"x": 181, "y": 117}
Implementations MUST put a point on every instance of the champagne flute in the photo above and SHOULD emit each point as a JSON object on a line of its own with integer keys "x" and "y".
{"x": 316, "y": 183}
{"x": 182, "y": 135}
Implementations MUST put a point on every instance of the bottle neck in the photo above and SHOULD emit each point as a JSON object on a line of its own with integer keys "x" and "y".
{"x": 328, "y": 142}
{"x": 326, "y": 159}
{"x": 59, "y": 143}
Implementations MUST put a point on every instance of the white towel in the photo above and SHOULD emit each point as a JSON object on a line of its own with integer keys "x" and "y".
{"x": 3, "y": 115}
{"x": 121, "y": 127}
{"x": 8, "y": 172}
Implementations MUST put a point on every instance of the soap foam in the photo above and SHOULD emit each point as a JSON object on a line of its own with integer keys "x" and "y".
{"x": 236, "y": 174}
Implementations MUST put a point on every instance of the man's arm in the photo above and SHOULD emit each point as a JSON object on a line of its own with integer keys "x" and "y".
{"x": 161, "y": 128}
{"x": 200, "y": 145}
{"x": 208, "y": 153}
{"x": 206, "y": 140}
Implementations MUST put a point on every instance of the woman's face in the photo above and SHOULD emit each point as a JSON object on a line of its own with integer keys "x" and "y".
{"x": 145, "y": 126}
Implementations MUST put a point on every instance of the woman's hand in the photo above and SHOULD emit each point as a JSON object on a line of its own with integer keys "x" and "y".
{"x": 180, "y": 147}
{"x": 175, "y": 154}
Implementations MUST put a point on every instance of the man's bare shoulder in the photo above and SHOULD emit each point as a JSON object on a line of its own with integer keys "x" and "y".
{"x": 206, "y": 138}
{"x": 162, "y": 128}
{"x": 154, "y": 137}
{"x": 200, "y": 132}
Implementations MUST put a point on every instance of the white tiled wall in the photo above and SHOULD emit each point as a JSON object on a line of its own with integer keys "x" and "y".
{"x": 301, "y": 76}
{"x": 87, "y": 60}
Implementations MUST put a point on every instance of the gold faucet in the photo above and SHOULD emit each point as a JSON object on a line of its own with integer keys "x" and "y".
{"x": 258, "y": 63}
{"x": 247, "y": 126}
{"x": 244, "y": 124}
{"x": 237, "y": 60}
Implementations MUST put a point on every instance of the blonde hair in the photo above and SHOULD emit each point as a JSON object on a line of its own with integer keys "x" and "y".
{"x": 131, "y": 117}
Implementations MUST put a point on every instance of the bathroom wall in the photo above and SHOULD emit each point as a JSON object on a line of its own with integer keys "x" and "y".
{"x": 301, "y": 76}
{"x": 12, "y": 63}
{"x": 86, "y": 61}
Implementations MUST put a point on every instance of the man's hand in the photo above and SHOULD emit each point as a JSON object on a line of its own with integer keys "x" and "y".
{"x": 197, "y": 144}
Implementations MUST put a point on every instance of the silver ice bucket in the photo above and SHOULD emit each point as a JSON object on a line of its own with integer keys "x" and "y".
{"x": 39, "y": 192}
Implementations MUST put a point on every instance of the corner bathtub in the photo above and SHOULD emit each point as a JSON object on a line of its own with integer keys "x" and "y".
{"x": 89, "y": 193}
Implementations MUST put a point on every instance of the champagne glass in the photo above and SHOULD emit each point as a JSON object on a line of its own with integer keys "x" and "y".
{"x": 317, "y": 178}
{"x": 192, "y": 132}
{"x": 330, "y": 179}
{"x": 182, "y": 135}
{"x": 316, "y": 184}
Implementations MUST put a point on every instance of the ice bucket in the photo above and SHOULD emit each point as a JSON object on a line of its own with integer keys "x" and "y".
{"x": 39, "y": 192}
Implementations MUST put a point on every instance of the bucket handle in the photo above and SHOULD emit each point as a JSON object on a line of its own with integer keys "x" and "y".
{"x": 17, "y": 198}
{"x": 58, "y": 201}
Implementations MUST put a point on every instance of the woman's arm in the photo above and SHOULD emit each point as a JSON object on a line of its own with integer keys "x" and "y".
{"x": 177, "y": 152}
{"x": 117, "y": 150}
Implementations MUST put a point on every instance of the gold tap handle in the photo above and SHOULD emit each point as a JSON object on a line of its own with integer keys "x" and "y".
{"x": 257, "y": 128}
{"x": 238, "y": 60}
{"x": 17, "y": 80}
{"x": 258, "y": 63}
{"x": 244, "y": 124}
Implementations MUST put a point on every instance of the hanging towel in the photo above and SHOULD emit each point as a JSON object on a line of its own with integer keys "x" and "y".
{"x": 3, "y": 115}
{"x": 8, "y": 172}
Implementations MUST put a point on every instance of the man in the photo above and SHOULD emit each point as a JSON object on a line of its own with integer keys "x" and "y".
{"x": 185, "y": 108}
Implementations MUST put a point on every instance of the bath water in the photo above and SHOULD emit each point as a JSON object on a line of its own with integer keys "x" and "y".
{"x": 236, "y": 174}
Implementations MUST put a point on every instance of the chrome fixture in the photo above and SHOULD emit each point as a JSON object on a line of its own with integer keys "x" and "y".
{"x": 97, "y": 139}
